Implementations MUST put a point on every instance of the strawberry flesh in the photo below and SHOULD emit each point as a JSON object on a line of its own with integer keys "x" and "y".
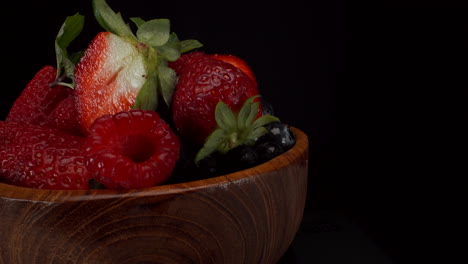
{"x": 108, "y": 78}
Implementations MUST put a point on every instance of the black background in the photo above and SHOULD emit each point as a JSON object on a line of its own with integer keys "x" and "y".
{"x": 349, "y": 76}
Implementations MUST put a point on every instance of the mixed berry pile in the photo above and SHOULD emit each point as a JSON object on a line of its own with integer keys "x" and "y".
{"x": 136, "y": 110}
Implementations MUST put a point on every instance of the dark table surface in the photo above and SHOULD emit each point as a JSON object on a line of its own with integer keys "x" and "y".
{"x": 331, "y": 238}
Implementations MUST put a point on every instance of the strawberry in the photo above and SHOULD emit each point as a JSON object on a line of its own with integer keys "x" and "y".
{"x": 47, "y": 100}
{"x": 189, "y": 58}
{"x": 204, "y": 81}
{"x": 237, "y": 62}
{"x": 235, "y": 130}
{"x": 108, "y": 77}
{"x": 38, "y": 99}
{"x": 120, "y": 70}
{"x": 65, "y": 117}
{"x": 40, "y": 104}
{"x": 131, "y": 149}
{"x": 41, "y": 157}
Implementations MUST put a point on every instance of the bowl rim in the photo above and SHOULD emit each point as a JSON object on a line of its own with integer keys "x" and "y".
{"x": 8, "y": 191}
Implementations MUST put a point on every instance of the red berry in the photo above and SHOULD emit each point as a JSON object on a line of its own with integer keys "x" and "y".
{"x": 237, "y": 62}
{"x": 41, "y": 104}
{"x": 185, "y": 60}
{"x": 41, "y": 157}
{"x": 131, "y": 149}
{"x": 108, "y": 78}
{"x": 203, "y": 82}
{"x": 121, "y": 70}
{"x": 65, "y": 117}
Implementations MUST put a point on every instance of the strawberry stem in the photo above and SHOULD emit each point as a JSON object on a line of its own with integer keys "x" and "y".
{"x": 233, "y": 140}
{"x": 62, "y": 81}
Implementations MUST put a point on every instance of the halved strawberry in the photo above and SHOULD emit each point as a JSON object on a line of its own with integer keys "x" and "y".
{"x": 108, "y": 77}
{"x": 120, "y": 70}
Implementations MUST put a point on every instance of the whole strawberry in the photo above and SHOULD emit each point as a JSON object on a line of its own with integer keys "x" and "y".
{"x": 48, "y": 99}
{"x": 204, "y": 80}
{"x": 238, "y": 63}
{"x": 121, "y": 70}
{"x": 41, "y": 104}
{"x": 131, "y": 149}
{"x": 41, "y": 157}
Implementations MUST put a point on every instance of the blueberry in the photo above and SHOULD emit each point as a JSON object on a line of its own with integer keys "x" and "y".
{"x": 237, "y": 159}
{"x": 208, "y": 164}
{"x": 217, "y": 164}
{"x": 268, "y": 150}
{"x": 186, "y": 157}
{"x": 280, "y": 134}
{"x": 275, "y": 142}
{"x": 267, "y": 107}
{"x": 243, "y": 157}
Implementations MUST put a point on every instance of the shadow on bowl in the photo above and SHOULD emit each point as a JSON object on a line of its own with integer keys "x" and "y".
{"x": 250, "y": 216}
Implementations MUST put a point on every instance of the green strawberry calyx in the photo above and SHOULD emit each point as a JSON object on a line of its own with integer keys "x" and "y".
{"x": 235, "y": 129}
{"x": 70, "y": 29}
{"x": 158, "y": 46}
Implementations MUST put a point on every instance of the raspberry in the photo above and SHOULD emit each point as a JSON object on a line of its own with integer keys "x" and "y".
{"x": 131, "y": 149}
{"x": 40, "y": 157}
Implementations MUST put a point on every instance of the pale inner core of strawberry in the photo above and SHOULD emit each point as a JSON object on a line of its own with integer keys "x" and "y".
{"x": 108, "y": 82}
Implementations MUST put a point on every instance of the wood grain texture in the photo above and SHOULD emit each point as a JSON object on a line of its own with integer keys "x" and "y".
{"x": 248, "y": 217}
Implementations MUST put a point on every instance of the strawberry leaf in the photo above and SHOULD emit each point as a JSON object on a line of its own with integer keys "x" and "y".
{"x": 155, "y": 32}
{"x": 111, "y": 21}
{"x": 76, "y": 56}
{"x": 70, "y": 29}
{"x": 213, "y": 141}
{"x": 171, "y": 50}
{"x": 248, "y": 112}
{"x": 138, "y": 21}
{"x": 224, "y": 117}
{"x": 147, "y": 98}
{"x": 235, "y": 129}
{"x": 189, "y": 44}
{"x": 167, "y": 80}
{"x": 263, "y": 120}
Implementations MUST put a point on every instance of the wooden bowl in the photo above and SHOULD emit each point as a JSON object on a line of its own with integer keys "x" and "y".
{"x": 250, "y": 216}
